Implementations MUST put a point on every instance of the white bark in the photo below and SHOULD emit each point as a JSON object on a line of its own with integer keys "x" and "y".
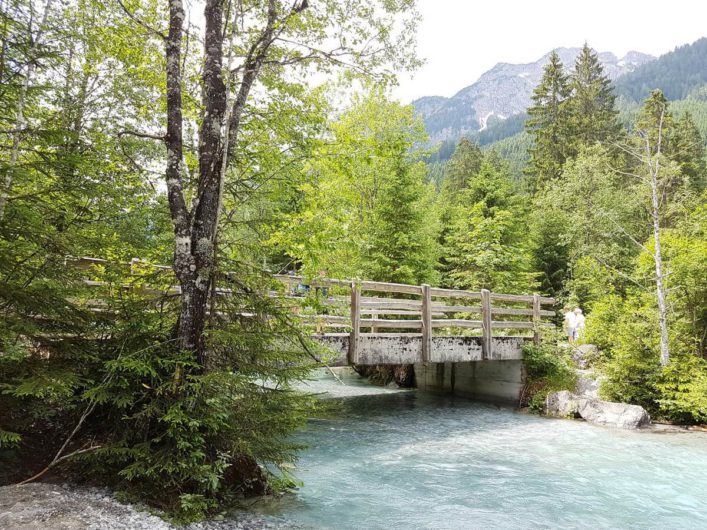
{"x": 20, "y": 121}
{"x": 657, "y": 255}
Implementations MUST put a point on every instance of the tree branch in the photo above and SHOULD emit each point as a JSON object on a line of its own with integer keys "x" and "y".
{"x": 140, "y": 22}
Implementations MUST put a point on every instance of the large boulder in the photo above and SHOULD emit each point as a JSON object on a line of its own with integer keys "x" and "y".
{"x": 565, "y": 404}
{"x": 613, "y": 414}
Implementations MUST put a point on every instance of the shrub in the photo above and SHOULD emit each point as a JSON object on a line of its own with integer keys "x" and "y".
{"x": 548, "y": 369}
{"x": 152, "y": 423}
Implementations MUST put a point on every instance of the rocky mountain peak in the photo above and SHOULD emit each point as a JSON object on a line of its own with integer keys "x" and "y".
{"x": 503, "y": 91}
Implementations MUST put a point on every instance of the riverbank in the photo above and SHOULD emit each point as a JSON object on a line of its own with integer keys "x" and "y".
{"x": 44, "y": 506}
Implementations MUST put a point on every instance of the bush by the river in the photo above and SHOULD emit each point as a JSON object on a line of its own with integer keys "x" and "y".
{"x": 549, "y": 369}
{"x": 627, "y": 333}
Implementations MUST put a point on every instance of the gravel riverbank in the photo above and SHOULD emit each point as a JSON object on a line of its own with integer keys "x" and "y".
{"x": 44, "y": 506}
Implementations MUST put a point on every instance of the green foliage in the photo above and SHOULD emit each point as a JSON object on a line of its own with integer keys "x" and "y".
{"x": 676, "y": 74}
{"x": 366, "y": 210}
{"x": 485, "y": 244}
{"x": 682, "y": 389}
{"x": 547, "y": 124}
{"x": 465, "y": 161}
{"x": 591, "y": 112}
{"x": 548, "y": 370}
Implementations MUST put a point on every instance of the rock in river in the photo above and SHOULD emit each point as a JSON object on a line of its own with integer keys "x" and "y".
{"x": 566, "y": 404}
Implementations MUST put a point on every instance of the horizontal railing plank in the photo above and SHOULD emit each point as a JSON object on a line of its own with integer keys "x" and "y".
{"x": 456, "y": 323}
{"x": 392, "y": 304}
{"x": 454, "y": 293}
{"x": 399, "y": 324}
{"x": 313, "y": 282}
{"x": 456, "y": 308}
{"x": 515, "y": 311}
{"x": 391, "y": 287}
{"x": 510, "y": 324}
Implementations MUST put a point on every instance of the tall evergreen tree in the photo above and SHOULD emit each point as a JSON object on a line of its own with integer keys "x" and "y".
{"x": 592, "y": 116}
{"x": 402, "y": 245}
{"x": 688, "y": 150}
{"x": 465, "y": 162}
{"x": 486, "y": 244}
{"x": 547, "y": 124}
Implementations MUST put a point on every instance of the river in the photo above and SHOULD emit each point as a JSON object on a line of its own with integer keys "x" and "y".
{"x": 413, "y": 460}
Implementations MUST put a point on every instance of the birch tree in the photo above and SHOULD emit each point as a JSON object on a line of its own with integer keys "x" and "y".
{"x": 248, "y": 48}
{"x": 24, "y": 26}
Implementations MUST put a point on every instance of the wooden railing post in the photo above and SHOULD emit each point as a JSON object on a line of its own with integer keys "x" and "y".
{"x": 486, "y": 342}
{"x": 355, "y": 322}
{"x": 426, "y": 323}
{"x": 536, "y": 319}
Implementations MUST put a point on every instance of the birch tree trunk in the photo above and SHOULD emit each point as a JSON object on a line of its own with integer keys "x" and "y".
{"x": 20, "y": 122}
{"x": 657, "y": 255}
{"x": 196, "y": 228}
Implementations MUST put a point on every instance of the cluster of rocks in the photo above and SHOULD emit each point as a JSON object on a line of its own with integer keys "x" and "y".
{"x": 43, "y": 506}
{"x": 584, "y": 402}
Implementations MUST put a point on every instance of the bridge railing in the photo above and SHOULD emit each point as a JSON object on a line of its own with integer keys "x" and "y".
{"x": 422, "y": 309}
{"x": 368, "y": 307}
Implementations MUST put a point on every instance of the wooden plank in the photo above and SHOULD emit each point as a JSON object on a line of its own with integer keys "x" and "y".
{"x": 536, "y": 319}
{"x": 456, "y": 323}
{"x": 456, "y": 308}
{"x": 486, "y": 343}
{"x": 324, "y": 318}
{"x": 403, "y": 312}
{"x": 510, "y": 324}
{"x": 313, "y": 282}
{"x": 511, "y": 298}
{"x": 515, "y": 311}
{"x": 426, "y": 323}
{"x": 393, "y": 304}
{"x": 355, "y": 323}
{"x": 454, "y": 293}
{"x": 397, "y": 324}
{"x": 391, "y": 287}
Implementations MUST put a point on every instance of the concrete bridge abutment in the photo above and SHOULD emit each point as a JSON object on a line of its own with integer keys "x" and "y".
{"x": 496, "y": 381}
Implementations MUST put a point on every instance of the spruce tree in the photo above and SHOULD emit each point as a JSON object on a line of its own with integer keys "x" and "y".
{"x": 592, "y": 116}
{"x": 465, "y": 162}
{"x": 547, "y": 124}
{"x": 486, "y": 241}
{"x": 688, "y": 151}
{"x": 402, "y": 244}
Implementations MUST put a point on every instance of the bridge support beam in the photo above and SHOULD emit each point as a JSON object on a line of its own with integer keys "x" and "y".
{"x": 487, "y": 333}
{"x": 355, "y": 323}
{"x": 426, "y": 323}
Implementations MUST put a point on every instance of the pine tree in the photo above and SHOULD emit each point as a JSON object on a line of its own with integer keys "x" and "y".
{"x": 465, "y": 162}
{"x": 403, "y": 246}
{"x": 654, "y": 117}
{"x": 688, "y": 149}
{"x": 592, "y": 116}
{"x": 547, "y": 124}
{"x": 486, "y": 244}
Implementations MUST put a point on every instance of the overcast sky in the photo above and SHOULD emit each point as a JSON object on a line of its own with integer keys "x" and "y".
{"x": 461, "y": 39}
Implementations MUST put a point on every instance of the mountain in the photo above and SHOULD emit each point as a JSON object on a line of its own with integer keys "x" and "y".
{"x": 677, "y": 74}
{"x": 502, "y": 92}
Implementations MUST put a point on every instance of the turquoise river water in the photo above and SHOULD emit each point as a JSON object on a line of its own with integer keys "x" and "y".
{"x": 413, "y": 460}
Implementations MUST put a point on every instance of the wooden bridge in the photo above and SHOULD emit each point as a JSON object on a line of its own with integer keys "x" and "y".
{"x": 372, "y": 323}
{"x": 391, "y": 323}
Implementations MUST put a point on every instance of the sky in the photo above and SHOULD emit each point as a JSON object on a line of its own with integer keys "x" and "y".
{"x": 461, "y": 39}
